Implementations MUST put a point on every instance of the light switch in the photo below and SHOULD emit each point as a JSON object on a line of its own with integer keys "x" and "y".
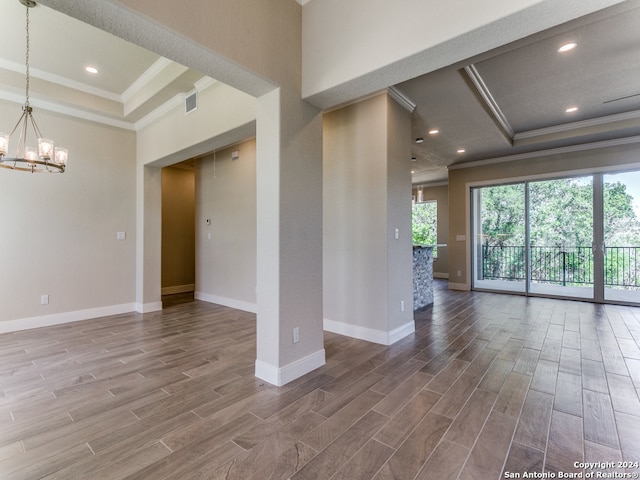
{"x": 121, "y": 235}
{"x": 461, "y": 238}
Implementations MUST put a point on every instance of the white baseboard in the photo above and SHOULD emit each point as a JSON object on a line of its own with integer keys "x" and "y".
{"x": 178, "y": 289}
{"x": 148, "y": 307}
{"x": 369, "y": 334}
{"x": 279, "y": 376}
{"x": 64, "y": 317}
{"x": 227, "y": 302}
{"x": 459, "y": 286}
{"x": 441, "y": 275}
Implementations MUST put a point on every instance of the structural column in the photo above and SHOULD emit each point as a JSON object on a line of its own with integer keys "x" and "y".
{"x": 289, "y": 237}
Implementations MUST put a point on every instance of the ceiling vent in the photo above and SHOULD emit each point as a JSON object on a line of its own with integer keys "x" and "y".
{"x": 191, "y": 102}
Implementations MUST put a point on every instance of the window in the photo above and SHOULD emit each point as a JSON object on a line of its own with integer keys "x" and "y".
{"x": 425, "y": 224}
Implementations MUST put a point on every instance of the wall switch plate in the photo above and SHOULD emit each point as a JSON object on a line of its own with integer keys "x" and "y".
{"x": 296, "y": 334}
{"x": 44, "y": 299}
{"x": 121, "y": 235}
{"x": 397, "y": 234}
{"x": 402, "y": 305}
{"x": 461, "y": 238}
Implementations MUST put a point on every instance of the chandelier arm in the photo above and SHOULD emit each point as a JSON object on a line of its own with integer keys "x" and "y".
{"x": 18, "y": 122}
{"x": 22, "y": 140}
{"x": 35, "y": 126}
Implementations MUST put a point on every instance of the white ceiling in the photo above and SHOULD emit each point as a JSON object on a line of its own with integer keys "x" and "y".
{"x": 526, "y": 85}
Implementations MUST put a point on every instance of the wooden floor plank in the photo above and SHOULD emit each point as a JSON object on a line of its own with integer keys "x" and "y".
{"x": 599, "y": 422}
{"x": 565, "y": 446}
{"x": 533, "y": 426}
{"x": 409, "y": 459}
{"x": 490, "y": 451}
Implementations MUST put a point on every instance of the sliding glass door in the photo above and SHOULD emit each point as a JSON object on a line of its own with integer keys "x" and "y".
{"x": 561, "y": 237}
{"x": 575, "y": 237}
{"x": 499, "y": 238}
{"x": 621, "y": 228}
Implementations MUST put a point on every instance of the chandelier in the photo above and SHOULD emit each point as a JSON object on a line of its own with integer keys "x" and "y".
{"x": 43, "y": 158}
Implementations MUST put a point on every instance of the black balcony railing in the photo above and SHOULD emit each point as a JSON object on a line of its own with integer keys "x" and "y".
{"x": 567, "y": 266}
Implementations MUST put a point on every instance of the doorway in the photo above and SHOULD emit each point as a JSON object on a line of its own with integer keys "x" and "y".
{"x": 178, "y": 270}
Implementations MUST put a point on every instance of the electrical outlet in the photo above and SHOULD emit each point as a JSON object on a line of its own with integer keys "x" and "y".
{"x": 296, "y": 334}
{"x": 459, "y": 273}
{"x": 44, "y": 299}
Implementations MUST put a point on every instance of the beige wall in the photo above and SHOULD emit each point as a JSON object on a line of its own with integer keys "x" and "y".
{"x": 221, "y": 109}
{"x": 367, "y": 194}
{"x": 178, "y": 230}
{"x": 58, "y": 231}
{"x": 554, "y": 164}
{"x": 226, "y": 249}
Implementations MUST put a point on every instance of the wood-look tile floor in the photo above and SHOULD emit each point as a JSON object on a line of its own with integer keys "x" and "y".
{"x": 488, "y": 386}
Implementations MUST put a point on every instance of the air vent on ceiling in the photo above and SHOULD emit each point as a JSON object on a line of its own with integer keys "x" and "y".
{"x": 191, "y": 102}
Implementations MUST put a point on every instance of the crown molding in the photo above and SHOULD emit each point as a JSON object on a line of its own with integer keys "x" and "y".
{"x": 400, "y": 98}
{"x": 566, "y": 127}
{"x": 58, "y": 80}
{"x": 204, "y": 83}
{"x": 148, "y": 75}
{"x": 178, "y": 100}
{"x": 66, "y": 110}
{"x": 546, "y": 153}
{"x": 158, "y": 113}
{"x": 490, "y": 102}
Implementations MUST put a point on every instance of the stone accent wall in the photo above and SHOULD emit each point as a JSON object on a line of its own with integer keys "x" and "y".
{"x": 422, "y": 277}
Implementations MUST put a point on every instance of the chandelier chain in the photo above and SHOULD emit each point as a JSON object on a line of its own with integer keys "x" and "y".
{"x": 27, "y": 61}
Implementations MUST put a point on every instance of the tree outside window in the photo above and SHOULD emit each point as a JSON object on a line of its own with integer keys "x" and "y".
{"x": 425, "y": 224}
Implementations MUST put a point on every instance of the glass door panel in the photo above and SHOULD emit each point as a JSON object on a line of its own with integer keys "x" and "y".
{"x": 561, "y": 237}
{"x": 499, "y": 252}
{"x": 622, "y": 237}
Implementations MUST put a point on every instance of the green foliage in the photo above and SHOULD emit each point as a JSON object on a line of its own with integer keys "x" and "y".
{"x": 561, "y": 226}
{"x": 503, "y": 220}
{"x": 561, "y": 214}
{"x": 425, "y": 223}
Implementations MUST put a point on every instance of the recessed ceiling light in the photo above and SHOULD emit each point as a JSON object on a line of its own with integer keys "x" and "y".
{"x": 413, "y": 171}
{"x": 461, "y": 150}
{"x": 419, "y": 140}
{"x": 91, "y": 69}
{"x": 567, "y": 46}
{"x": 434, "y": 131}
{"x": 571, "y": 109}
{"x": 413, "y": 159}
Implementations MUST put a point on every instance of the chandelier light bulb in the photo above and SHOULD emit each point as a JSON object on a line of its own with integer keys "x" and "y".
{"x": 4, "y": 144}
{"x": 30, "y": 154}
{"x": 45, "y": 148}
{"x": 61, "y": 156}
